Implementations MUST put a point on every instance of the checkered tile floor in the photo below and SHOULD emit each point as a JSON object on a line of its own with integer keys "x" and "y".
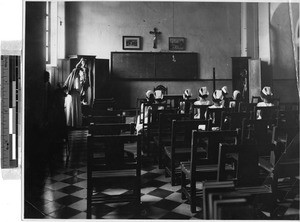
{"x": 63, "y": 195}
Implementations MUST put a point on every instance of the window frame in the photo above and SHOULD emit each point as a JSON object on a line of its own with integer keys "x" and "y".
{"x": 48, "y": 33}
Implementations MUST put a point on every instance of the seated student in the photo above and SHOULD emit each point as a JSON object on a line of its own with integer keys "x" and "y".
{"x": 203, "y": 94}
{"x": 217, "y": 99}
{"x": 236, "y": 98}
{"x": 158, "y": 95}
{"x": 185, "y": 104}
{"x": 159, "y": 99}
{"x": 225, "y": 102}
{"x": 266, "y": 96}
{"x": 150, "y": 98}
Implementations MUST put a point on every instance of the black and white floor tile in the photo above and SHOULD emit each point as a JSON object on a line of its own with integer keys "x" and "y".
{"x": 63, "y": 194}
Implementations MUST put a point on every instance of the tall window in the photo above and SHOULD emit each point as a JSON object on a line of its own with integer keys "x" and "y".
{"x": 55, "y": 32}
{"x": 48, "y": 33}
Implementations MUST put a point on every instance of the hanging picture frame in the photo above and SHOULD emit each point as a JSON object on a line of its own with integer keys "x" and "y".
{"x": 132, "y": 42}
{"x": 176, "y": 43}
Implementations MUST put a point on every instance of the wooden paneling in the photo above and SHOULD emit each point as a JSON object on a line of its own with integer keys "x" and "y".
{"x": 132, "y": 65}
{"x": 176, "y": 66}
{"x": 154, "y": 66}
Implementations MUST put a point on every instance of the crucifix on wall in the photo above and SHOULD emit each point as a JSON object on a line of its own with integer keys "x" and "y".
{"x": 155, "y": 33}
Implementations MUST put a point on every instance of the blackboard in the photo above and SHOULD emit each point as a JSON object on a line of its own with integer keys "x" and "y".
{"x": 132, "y": 65}
{"x": 154, "y": 66}
{"x": 177, "y": 66}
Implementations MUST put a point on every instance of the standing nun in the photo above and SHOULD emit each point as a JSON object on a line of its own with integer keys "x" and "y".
{"x": 73, "y": 99}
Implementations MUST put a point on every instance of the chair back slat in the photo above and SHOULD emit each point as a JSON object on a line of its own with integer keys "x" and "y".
{"x": 256, "y": 99}
{"x": 107, "y": 161}
{"x": 182, "y": 131}
{"x": 173, "y": 100}
{"x": 104, "y": 104}
{"x": 215, "y": 115}
{"x": 198, "y": 111}
{"x": 107, "y": 119}
{"x": 246, "y": 107}
{"x": 186, "y": 105}
{"x": 233, "y": 120}
{"x": 257, "y": 133}
{"x": 267, "y": 113}
{"x": 106, "y": 152}
{"x": 111, "y": 128}
{"x": 104, "y": 112}
{"x": 212, "y": 140}
{"x": 165, "y": 131}
{"x": 166, "y": 119}
{"x": 180, "y": 148}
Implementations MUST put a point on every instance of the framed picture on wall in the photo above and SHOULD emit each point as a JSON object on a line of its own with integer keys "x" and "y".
{"x": 132, "y": 42}
{"x": 176, "y": 43}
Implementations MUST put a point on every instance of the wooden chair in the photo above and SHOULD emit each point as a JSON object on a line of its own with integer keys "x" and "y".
{"x": 286, "y": 167}
{"x": 186, "y": 106}
{"x": 246, "y": 107}
{"x": 215, "y": 115}
{"x": 150, "y": 126}
{"x": 248, "y": 172}
{"x": 223, "y": 202}
{"x": 284, "y": 131}
{"x": 138, "y": 106}
{"x": 108, "y": 167}
{"x": 283, "y": 169}
{"x": 285, "y": 118}
{"x": 276, "y": 101}
{"x": 173, "y": 100}
{"x": 180, "y": 148}
{"x": 289, "y": 106}
{"x": 266, "y": 113}
{"x": 104, "y": 112}
{"x": 150, "y": 112}
{"x": 104, "y": 104}
{"x": 247, "y": 180}
{"x": 103, "y": 100}
{"x": 142, "y": 106}
{"x": 233, "y": 120}
{"x": 164, "y": 132}
{"x": 257, "y": 132}
{"x": 234, "y": 104}
{"x": 116, "y": 129}
{"x": 210, "y": 187}
{"x": 106, "y": 119}
{"x": 111, "y": 128}
{"x": 199, "y": 110}
{"x": 245, "y": 158}
{"x": 200, "y": 169}
{"x": 256, "y": 99}
{"x": 130, "y": 115}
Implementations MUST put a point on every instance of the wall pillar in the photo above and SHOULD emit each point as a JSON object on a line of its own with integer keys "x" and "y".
{"x": 244, "y": 50}
{"x": 264, "y": 32}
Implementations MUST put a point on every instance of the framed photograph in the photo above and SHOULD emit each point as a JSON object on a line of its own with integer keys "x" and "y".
{"x": 176, "y": 43}
{"x": 132, "y": 42}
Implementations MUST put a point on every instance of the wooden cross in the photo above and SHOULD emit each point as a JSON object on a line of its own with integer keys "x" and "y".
{"x": 155, "y": 33}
